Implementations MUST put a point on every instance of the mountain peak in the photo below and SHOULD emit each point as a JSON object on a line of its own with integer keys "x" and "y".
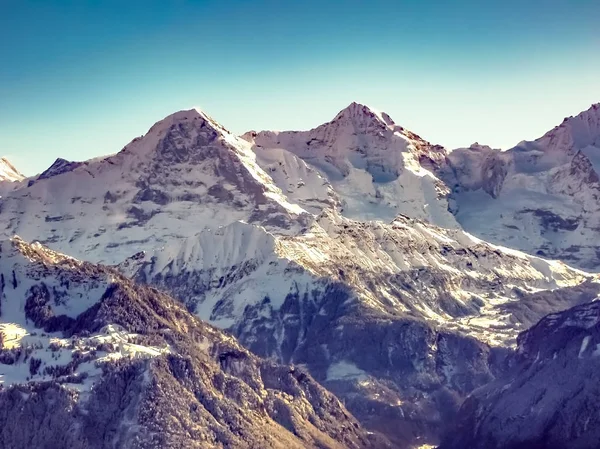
{"x": 188, "y": 115}
{"x": 592, "y": 112}
{"x": 8, "y": 172}
{"x": 575, "y": 132}
{"x": 193, "y": 126}
{"x": 360, "y": 112}
{"x": 59, "y": 166}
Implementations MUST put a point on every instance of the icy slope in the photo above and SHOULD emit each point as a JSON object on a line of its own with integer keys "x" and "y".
{"x": 89, "y": 359}
{"x": 301, "y": 183}
{"x": 407, "y": 267}
{"x": 377, "y": 168}
{"x": 542, "y": 197}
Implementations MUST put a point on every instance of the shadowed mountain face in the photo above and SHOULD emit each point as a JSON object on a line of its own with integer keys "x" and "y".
{"x": 548, "y": 399}
{"x": 407, "y": 357}
{"x": 338, "y": 249}
{"x": 91, "y": 360}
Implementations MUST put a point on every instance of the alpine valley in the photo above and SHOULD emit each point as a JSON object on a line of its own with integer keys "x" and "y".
{"x": 351, "y": 286}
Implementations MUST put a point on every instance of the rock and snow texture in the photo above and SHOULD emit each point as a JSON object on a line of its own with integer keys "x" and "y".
{"x": 542, "y": 197}
{"x": 549, "y": 398}
{"x": 425, "y": 303}
{"x": 336, "y": 249}
{"x": 8, "y": 172}
{"x": 377, "y": 168}
{"x": 88, "y": 359}
{"x": 407, "y": 267}
{"x": 186, "y": 174}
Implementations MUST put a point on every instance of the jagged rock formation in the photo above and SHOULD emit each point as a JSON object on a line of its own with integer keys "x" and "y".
{"x": 548, "y": 399}
{"x": 91, "y": 360}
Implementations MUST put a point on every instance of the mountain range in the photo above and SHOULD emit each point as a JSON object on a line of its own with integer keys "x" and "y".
{"x": 347, "y": 286}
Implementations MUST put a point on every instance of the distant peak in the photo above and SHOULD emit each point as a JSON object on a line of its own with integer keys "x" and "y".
{"x": 479, "y": 146}
{"x": 59, "y": 167}
{"x": 575, "y": 132}
{"x": 188, "y": 115}
{"x": 361, "y": 111}
{"x": 8, "y": 172}
{"x": 7, "y": 163}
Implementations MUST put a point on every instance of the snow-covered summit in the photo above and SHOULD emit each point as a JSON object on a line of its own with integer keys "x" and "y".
{"x": 377, "y": 168}
{"x": 542, "y": 196}
{"x": 195, "y": 115}
{"x": 8, "y": 172}
{"x": 187, "y": 173}
{"x": 574, "y": 133}
{"x": 361, "y": 114}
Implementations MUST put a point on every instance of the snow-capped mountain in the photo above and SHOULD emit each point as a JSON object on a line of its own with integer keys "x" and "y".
{"x": 378, "y": 169}
{"x": 334, "y": 248}
{"x": 542, "y": 197}
{"x": 89, "y": 359}
{"x": 186, "y": 174}
{"x": 548, "y": 399}
{"x": 8, "y": 172}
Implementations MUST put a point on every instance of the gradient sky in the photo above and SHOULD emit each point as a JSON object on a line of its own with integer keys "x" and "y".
{"x": 79, "y": 78}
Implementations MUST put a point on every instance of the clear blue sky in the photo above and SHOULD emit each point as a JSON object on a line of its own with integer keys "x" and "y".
{"x": 81, "y": 78}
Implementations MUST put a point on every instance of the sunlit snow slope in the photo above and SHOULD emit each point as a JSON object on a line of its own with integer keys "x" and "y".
{"x": 542, "y": 197}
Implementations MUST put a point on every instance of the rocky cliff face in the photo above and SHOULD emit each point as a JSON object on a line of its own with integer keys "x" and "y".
{"x": 91, "y": 360}
{"x": 547, "y": 400}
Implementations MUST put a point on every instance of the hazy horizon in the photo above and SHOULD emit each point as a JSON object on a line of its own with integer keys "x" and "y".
{"x": 82, "y": 80}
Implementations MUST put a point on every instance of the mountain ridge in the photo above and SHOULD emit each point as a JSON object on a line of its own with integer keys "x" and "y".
{"x": 337, "y": 249}
{"x": 97, "y": 361}
{"x": 545, "y": 400}
{"x": 543, "y": 196}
